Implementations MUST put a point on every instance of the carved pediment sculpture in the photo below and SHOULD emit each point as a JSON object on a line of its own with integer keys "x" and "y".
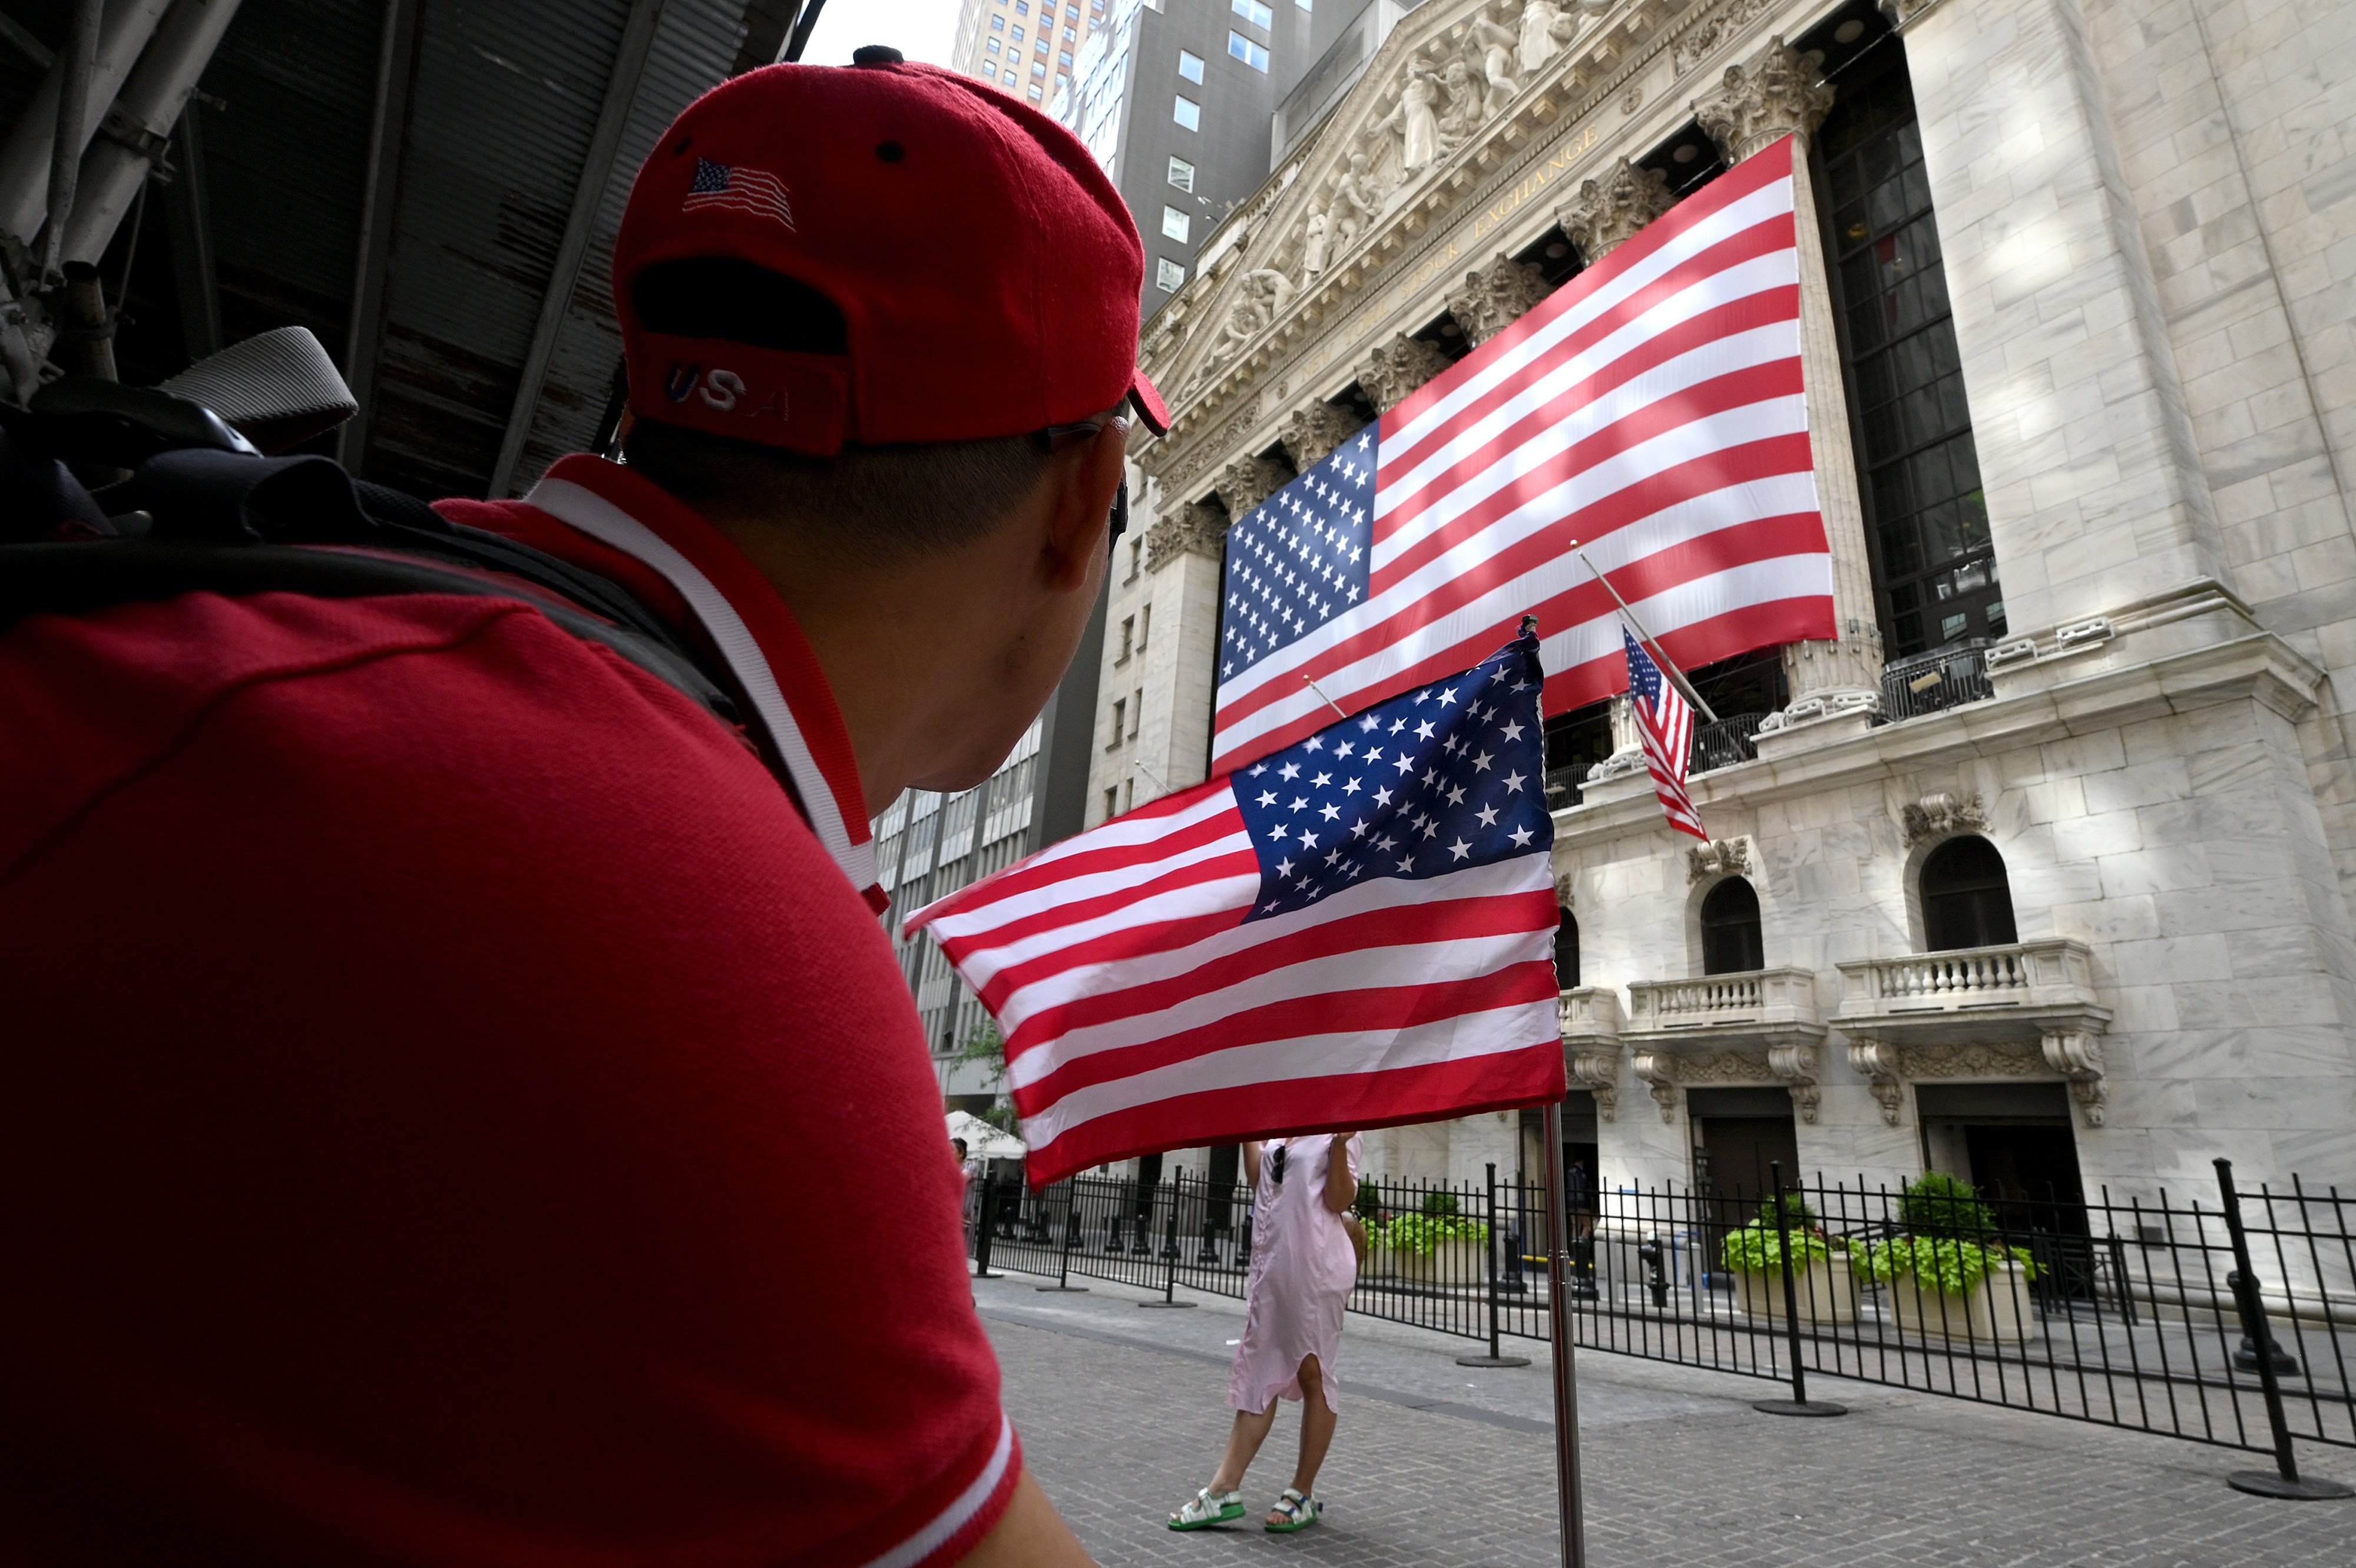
{"x": 1607, "y": 212}
{"x": 1248, "y": 482}
{"x": 1195, "y": 529}
{"x": 1776, "y": 95}
{"x": 1718, "y": 857}
{"x": 1496, "y": 44}
{"x": 1397, "y": 368}
{"x": 1311, "y": 433}
{"x": 1548, "y": 28}
{"x": 1267, "y": 292}
{"x": 1935, "y": 816}
{"x": 1494, "y": 296}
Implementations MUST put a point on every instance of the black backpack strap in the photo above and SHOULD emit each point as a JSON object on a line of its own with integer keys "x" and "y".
{"x": 77, "y": 578}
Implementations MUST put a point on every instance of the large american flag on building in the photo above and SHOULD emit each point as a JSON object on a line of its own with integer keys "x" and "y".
{"x": 1650, "y": 409}
{"x": 1355, "y": 931}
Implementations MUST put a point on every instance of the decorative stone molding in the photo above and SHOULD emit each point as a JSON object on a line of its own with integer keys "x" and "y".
{"x": 1248, "y": 482}
{"x": 1776, "y": 95}
{"x": 1843, "y": 672}
{"x": 1935, "y": 816}
{"x": 1195, "y": 529}
{"x": 1701, "y": 40}
{"x": 1176, "y": 463}
{"x": 1397, "y": 368}
{"x": 1760, "y": 1027}
{"x": 1718, "y": 857}
{"x": 1902, "y": 13}
{"x": 1311, "y": 433}
{"x": 2018, "y": 1010}
{"x": 1607, "y": 212}
{"x": 1590, "y": 1045}
{"x": 1627, "y": 744}
{"x": 1494, "y": 296}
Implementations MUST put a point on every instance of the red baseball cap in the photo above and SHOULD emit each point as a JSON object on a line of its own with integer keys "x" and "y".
{"x": 986, "y": 271}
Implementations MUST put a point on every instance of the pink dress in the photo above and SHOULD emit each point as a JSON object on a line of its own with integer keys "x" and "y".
{"x": 1302, "y": 1270}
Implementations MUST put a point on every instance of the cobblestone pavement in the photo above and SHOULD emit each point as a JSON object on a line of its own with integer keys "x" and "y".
{"x": 1122, "y": 1416}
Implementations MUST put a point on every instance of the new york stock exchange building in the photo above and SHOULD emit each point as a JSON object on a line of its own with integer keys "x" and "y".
{"x": 2039, "y": 870}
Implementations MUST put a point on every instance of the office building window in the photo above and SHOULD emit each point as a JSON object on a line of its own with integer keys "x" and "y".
{"x": 1243, "y": 48}
{"x": 1252, "y": 11}
{"x": 1136, "y": 712}
{"x": 1119, "y": 721}
{"x": 1187, "y": 113}
{"x": 1033, "y": 94}
{"x": 1136, "y": 546}
{"x": 1018, "y": 34}
{"x": 1181, "y": 174}
{"x": 1190, "y": 65}
{"x": 1175, "y": 224}
{"x": 1145, "y": 626}
{"x": 1022, "y": 8}
{"x": 1112, "y": 802}
{"x": 993, "y": 46}
{"x": 1169, "y": 277}
{"x": 1008, "y": 76}
{"x": 1038, "y": 68}
{"x": 1063, "y": 59}
{"x": 1304, "y": 5}
{"x": 998, "y": 24}
{"x": 1127, "y": 639}
{"x": 1071, "y": 35}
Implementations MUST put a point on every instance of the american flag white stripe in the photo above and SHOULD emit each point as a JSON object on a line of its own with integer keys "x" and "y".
{"x": 1353, "y": 932}
{"x": 1651, "y": 409}
{"x": 1665, "y": 728}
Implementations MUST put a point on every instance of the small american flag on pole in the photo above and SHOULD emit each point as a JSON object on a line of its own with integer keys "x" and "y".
{"x": 1358, "y": 930}
{"x": 1665, "y": 721}
{"x": 739, "y": 190}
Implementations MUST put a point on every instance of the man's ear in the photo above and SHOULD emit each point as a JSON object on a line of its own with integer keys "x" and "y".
{"x": 1085, "y": 478}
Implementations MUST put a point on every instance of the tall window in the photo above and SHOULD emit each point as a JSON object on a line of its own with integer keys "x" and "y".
{"x": 1175, "y": 224}
{"x": 1966, "y": 897}
{"x": 1190, "y": 65}
{"x": 1729, "y": 929}
{"x": 1169, "y": 277}
{"x": 1566, "y": 952}
{"x": 1181, "y": 174}
{"x": 1936, "y": 569}
{"x": 1187, "y": 113}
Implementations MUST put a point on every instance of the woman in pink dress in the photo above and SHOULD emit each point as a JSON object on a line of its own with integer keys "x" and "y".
{"x": 1302, "y": 1270}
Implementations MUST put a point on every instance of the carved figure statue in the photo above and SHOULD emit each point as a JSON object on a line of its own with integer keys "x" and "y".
{"x": 1462, "y": 116}
{"x": 1313, "y": 249}
{"x": 1548, "y": 27}
{"x": 1243, "y": 325}
{"x": 1354, "y": 204}
{"x": 1270, "y": 292}
{"x": 1495, "y": 42}
{"x": 1416, "y": 119}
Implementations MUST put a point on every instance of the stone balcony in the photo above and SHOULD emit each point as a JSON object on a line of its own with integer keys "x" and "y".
{"x": 1760, "y": 1027}
{"x": 2020, "y": 1010}
{"x": 1590, "y": 1045}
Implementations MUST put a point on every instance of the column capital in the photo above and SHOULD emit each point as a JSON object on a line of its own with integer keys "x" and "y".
{"x": 1311, "y": 433}
{"x": 1248, "y": 482}
{"x": 1397, "y": 368}
{"x": 1776, "y": 95}
{"x": 1494, "y": 297}
{"x": 1194, "y": 529}
{"x": 1608, "y": 212}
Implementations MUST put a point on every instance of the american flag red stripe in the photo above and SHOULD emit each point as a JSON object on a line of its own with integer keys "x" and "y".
{"x": 1664, "y": 728}
{"x": 1152, "y": 995}
{"x": 1651, "y": 409}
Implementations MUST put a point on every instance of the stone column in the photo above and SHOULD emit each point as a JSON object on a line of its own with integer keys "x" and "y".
{"x": 1607, "y": 212}
{"x": 2096, "y": 495}
{"x": 1311, "y": 433}
{"x": 1248, "y": 482}
{"x": 1185, "y": 551}
{"x": 1494, "y": 296}
{"x": 1397, "y": 369}
{"x": 1774, "y": 96}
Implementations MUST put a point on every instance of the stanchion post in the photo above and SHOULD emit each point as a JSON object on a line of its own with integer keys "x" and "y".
{"x": 1489, "y": 1253}
{"x": 1071, "y": 1238}
{"x": 1573, "y": 1503}
{"x": 1799, "y": 1403}
{"x": 1170, "y": 1250}
{"x": 2286, "y": 1482}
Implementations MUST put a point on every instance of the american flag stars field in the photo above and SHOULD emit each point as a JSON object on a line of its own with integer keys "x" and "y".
{"x": 1300, "y": 559}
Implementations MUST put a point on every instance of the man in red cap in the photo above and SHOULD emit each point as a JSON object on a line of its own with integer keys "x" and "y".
{"x": 440, "y": 1051}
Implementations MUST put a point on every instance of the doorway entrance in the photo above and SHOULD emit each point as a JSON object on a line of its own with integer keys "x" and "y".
{"x": 1740, "y": 1135}
{"x": 2015, "y": 1142}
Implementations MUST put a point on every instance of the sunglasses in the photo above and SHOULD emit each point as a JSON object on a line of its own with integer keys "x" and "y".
{"x": 1276, "y": 1166}
{"x": 1058, "y": 436}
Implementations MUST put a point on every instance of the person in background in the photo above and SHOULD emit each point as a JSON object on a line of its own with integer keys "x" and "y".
{"x": 1303, "y": 1266}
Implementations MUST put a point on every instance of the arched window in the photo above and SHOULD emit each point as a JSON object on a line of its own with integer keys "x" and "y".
{"x": 1966, "y": 898}
{"x": 1729, "y": 929}
{"x": 1566, "y": 952}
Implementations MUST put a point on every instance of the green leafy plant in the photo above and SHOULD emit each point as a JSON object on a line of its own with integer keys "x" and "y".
{"x": 1936, "y": 1204}
{"x": 1370, "y": 1199}
{"x": 1941, "y": 1263}
{"x": 1798, "y": 1214}
{"x": 1758, "y": 1247}
{"x": 1439, "y": 1204}
{"x": 988, "y": 1047}
{"x": 1421, "y": 1234}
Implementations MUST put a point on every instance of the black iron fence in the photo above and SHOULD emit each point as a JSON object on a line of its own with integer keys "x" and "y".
{"x": 1943, "y": 678}
{"x": 2221, "y": 1317}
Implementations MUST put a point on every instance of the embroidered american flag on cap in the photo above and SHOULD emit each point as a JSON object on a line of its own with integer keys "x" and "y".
{"x": 739, "y": 190}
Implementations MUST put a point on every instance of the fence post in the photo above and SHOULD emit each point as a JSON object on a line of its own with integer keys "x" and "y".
{"x": 2251, "y": 1308}
{"x": 1799, "y": 1403}
{"x": 1071, "y": 1238}
{"x": 981, "y": 1269}
{"x": 1489, "y": 1253}
{"x": 1169, "y": 1248}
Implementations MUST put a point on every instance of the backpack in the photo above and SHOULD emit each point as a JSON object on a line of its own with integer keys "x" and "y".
{"x": 198, "y": 509}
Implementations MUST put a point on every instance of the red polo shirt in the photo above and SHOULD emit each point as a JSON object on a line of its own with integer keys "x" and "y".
{"x": 453, "y": 1107}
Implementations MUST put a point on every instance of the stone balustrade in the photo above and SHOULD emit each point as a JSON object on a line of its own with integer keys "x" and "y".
{"x": 1590, "y": 1045}
{"x": 1760, "y": 1027}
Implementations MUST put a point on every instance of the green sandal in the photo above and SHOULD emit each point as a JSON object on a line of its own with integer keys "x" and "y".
{"x": 1299, "y": 1513}
{"x": 1207, "y": 1508}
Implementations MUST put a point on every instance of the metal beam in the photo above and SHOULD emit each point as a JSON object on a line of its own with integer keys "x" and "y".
{"x": 187, "y": 217}
{"x": 396, "y": 72}
{"x": 588, "y": 195}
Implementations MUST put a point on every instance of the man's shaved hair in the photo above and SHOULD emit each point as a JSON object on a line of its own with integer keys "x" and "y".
{"x": 880, "y": 502}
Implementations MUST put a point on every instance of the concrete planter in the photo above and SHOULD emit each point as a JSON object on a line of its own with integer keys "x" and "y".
{"x": 1994, "y": 1312}
{"x": 1455, "y": 1261}
{"x": 1827, "y": 1287}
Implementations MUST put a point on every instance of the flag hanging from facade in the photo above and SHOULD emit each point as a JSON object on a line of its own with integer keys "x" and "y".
{"x": 1650, "y": 409}
{"x": 1664, "y": 725}
{"x": 1354, "y": 931}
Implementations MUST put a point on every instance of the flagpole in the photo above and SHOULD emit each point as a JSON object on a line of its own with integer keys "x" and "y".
{"x": 1320, "y": 691}
{"x": 1572, "y": 1504}
{"x": 1668, "y": 665}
